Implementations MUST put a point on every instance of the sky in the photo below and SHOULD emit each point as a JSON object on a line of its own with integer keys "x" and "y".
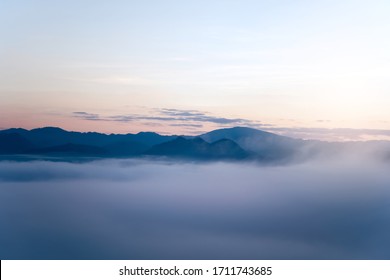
{"x": 307, "y": 69}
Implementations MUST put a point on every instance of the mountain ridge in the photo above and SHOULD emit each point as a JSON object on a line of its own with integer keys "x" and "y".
{"x": 236, "y": 143}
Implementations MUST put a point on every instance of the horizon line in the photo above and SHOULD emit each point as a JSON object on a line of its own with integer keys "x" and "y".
{"x": 223, "y": 128}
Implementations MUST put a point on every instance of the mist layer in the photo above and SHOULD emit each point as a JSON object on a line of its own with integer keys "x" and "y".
{"x": 131, "y": 209}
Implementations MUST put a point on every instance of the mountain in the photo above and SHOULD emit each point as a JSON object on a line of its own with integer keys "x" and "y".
{"x": 149, "y": 138}
{"x": 14, "y": 143}
{"x": 53, "y": 136}
{"x": 231, "y": 143}
{"x": 126, "y": 148}
{"x": 266, "y": 145}
{"x": 221, "y": 144}
{"x": 197, "y": 148}
{"x": 70, "y": 150}
{"x": 40, "y": 139}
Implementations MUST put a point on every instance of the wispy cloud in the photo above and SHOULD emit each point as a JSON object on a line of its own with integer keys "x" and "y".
{"x": 199, "y": 116}
{"x": 186, "y": 125}
{"x": 87, "y": 116}
{"x": 173, "y": 117}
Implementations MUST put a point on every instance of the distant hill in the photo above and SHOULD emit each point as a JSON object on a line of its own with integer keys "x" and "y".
{"x": 126, "y": 148}
{"x": 42, "y": 139}
{"x": 197, "y": 148}
{"x": 70, "y": 150}
{"x": 233, "y": 143}
{"x": 237, "y": 143}
{"x": 14, "y": 143}
{"x": 265, "y": 144}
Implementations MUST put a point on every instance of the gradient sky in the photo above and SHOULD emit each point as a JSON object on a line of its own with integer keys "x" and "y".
{"x": 311, "y": 69}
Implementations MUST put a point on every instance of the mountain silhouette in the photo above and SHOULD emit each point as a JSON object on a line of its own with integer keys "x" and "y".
{"x": 221, "y": 144}
{"x": 237, "y": 143}
{"x": 197, "y": 148}
{"x": 40, "y": 139}
{"x": 126, "y": 148}
{"x": 70, "y": 149}
{"x": 14, "y": 143}
{"x": 265, "y": 144}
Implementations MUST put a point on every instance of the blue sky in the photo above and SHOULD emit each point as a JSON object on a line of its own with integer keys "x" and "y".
{"x": 274, "y": 64}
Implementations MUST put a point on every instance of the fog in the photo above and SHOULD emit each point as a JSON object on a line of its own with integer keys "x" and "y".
{"x": 134, "y": 209}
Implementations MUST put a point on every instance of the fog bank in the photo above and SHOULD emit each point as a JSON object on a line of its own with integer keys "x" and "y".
{"x": 130, "y": 209}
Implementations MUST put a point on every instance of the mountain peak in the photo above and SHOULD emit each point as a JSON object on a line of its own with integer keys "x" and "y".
{"x": 239, "y": 131}
{"x": 48, "y": 129}
{"x": 147, "y": 133}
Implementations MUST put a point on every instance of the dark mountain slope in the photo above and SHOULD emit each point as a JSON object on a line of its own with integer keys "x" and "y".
{"x": 54, "y": 136}
{"x": 266, "y": 145}
{"x": 226, "y": 148}
{"x": 70, "y": 149}
{"x": 126, "y": 148}
{"x": 197, "y": 148}
{"x": 14, "y": 143}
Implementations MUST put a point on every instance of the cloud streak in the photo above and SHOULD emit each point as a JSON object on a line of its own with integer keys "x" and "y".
{"x": 174, "y": 117}
{"x": 87, "y": 116}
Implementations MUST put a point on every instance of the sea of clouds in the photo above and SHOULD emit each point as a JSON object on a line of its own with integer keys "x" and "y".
{"x": 137, "y": 209}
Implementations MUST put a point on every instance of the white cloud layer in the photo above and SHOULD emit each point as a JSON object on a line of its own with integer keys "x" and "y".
{"x": 124, "y": 209}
